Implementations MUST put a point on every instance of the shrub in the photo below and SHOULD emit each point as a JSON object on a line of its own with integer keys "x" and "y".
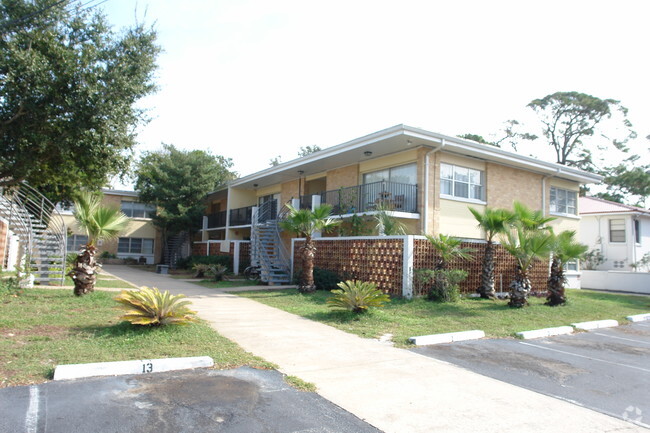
{"x": 190, "y": 261}
{"x": 108, "y": 255}
{"x": 357, "y": 296}
{"x": 442, "y": 284}
{"x": 200, "y": 270}
{"x": 324, "y": 279}
{"x": 11, "y": 286}
{"x": 218, "y": 272}
{"x": 148, "y": 306}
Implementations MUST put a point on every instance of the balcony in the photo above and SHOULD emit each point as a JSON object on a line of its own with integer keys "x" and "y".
{"x": 217, "y": 220}
{"x": 397, "y": 197}
{"x": 242, "y": 216}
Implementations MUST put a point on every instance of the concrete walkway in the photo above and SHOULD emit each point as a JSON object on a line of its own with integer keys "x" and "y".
{"x": 393, "y": 389}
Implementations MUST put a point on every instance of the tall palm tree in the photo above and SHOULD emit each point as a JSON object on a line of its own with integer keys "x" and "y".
{"x": 492, "y": 222}
{"x": 526, "y": 246}
{"x": 564, "y": 249}
{"x": 304, "y": 223}
{"x": 100, "y": 223}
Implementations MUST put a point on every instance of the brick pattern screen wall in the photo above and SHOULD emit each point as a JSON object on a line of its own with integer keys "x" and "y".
{"x": 425, "y": 258}
{"x": 375, "y": 260}
{"x": 381, "y": 260}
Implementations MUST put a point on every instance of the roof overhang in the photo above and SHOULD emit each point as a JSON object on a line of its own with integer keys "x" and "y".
{"x": 397, "y": 139}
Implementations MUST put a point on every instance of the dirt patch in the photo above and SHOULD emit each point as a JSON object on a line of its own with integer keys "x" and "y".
{"x": 610, "y": 346}
{"x": 50, "y": 331}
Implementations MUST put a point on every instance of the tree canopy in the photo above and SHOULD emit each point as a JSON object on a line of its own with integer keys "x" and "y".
{"x": 69, "y": 88}
{"x": 570, "y": 117}
{"x": 623, "y": 184}
{"x": 177, "y": 181}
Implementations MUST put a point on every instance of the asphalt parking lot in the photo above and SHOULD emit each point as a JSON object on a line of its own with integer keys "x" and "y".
{"x": 607, "y": 370}
{"x": 243, "y": 400}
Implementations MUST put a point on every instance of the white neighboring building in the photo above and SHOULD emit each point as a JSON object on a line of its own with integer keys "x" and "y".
{"x": 620, "y": 232}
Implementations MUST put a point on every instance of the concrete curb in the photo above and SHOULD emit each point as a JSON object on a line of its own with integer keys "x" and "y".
{"x": 545, "y": 332}
{"x": 142, "y": 366}
{"x": 450, "y": 337}
{"x": 595, "y": 324}
{"x": 639, "y": 317}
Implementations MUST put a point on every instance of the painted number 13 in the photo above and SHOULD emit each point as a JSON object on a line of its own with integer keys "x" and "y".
{"x": 147, "y": 368}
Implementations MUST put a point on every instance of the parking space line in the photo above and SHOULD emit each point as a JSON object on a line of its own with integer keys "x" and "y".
{"x": 586, "y": 357}
{"x": 31, "y": 417}
{"x": 621, "y": 338}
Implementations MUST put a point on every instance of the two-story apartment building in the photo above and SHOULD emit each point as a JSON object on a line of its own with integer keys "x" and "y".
{"x": 425, "y": 179}
{"x": 141, "y": 239}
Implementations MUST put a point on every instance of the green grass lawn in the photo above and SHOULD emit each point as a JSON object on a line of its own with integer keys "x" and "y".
{"x": 211, "y": 284}
{"x": 42, "y": 328}
{"x": 405, "y": 319}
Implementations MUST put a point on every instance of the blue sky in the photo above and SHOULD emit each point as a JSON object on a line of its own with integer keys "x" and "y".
{"x": 251, "y": 80}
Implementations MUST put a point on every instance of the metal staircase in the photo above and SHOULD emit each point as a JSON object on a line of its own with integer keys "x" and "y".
{"x": 40, "y": 230}
{"x": 176, "y": 248}
{"x": 267, "y": 250}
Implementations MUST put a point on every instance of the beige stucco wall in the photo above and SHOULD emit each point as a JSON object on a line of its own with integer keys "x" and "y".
{"x": 389, "y": 161}
{"x": 289, "y": 191}
{"x": 457, "y": 220}
{"x": 242, "y": 198}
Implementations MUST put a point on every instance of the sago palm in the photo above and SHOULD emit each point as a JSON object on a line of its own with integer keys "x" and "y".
{"x": 99, "y": 222}
{"x": 492, "y": 222}
{"x": 304, "y": 223}
{"x": 526, "y": 246}
{"x": 564, "y": 248}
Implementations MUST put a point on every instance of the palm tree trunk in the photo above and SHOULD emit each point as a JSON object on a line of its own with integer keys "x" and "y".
{"x": 84, "y": 271}
{"x": 519, "y": 288}
{"x": 555, "y": 284}
{"x": 307, "y": 253}
{"x": 487, "y": 273}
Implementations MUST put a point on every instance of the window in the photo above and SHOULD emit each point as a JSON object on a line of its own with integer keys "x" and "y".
{"x": 571, "y": 265}
{"x": 462, "y": 182}
{"x": 563, "y": 201}
{"x": 75, "y": 242}
{"x": 637, "y": 232}
{"x": 403, "y": 174}
{"x": 617, "y": 230}
{"x": 135, "y": 246}
{"x": 135, "y": 209}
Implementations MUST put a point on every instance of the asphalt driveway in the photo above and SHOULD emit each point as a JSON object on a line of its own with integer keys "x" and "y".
{"x": 243, "y": 400}
{"x": 607, "y": 370}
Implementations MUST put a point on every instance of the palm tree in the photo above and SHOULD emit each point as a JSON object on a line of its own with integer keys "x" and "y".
{"x": 492, "y": 222}
{"x": 526, "y": 246}
{"x": 564, "y": 249}
{"x": 388, "y": 225}
{"x": 304, "y": 223}
{"x": 448, "y": 248}
{"x": 100, "y": 223}
{"x": 530, "y": 219}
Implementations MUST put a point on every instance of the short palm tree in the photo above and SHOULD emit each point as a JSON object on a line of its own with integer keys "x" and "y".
{"x": 304, "y": 223}
{"x": 100, "y": 223}
{"x": 448, "y": 248}
{"x": 530, "y": 219}
{"x": 526, "y": 246}
{"x": 388, "y": 225}
{"x": 564, "y": 249}
{"x": 492, "y": 222}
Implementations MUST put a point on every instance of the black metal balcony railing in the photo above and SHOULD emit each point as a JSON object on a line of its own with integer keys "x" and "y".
{"x": 399, "y": 197}
{"x": 242, "y": 216}
{"x": 217, "y": 220}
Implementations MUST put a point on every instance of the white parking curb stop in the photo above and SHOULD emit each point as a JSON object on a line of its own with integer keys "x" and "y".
{"x": 450, "y": 337}
{"x": 142, "y": 366}
{"x": 638, "y": 317}
{"x": 595, "y": 324}
{"x": 545, "y": 332}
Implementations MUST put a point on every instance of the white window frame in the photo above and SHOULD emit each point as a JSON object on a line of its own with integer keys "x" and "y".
{"x": 469, "y": 183}
{"x": 553, "y": 201}
{"x": 147, "y": 210}
{"x": 390, "y": 173}
{"x": 624, "y": 230}
{"x": 130, "y": 250}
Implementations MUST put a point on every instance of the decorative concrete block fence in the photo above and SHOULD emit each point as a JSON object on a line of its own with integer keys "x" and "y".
{"x": 238, "y": 251}
{"x": 383, "y": 259}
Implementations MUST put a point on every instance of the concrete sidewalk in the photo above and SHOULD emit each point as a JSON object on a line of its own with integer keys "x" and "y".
{"x": 393, "y": 389}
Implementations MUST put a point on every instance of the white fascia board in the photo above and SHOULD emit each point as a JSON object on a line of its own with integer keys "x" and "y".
{"x": 323, "y": 154}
